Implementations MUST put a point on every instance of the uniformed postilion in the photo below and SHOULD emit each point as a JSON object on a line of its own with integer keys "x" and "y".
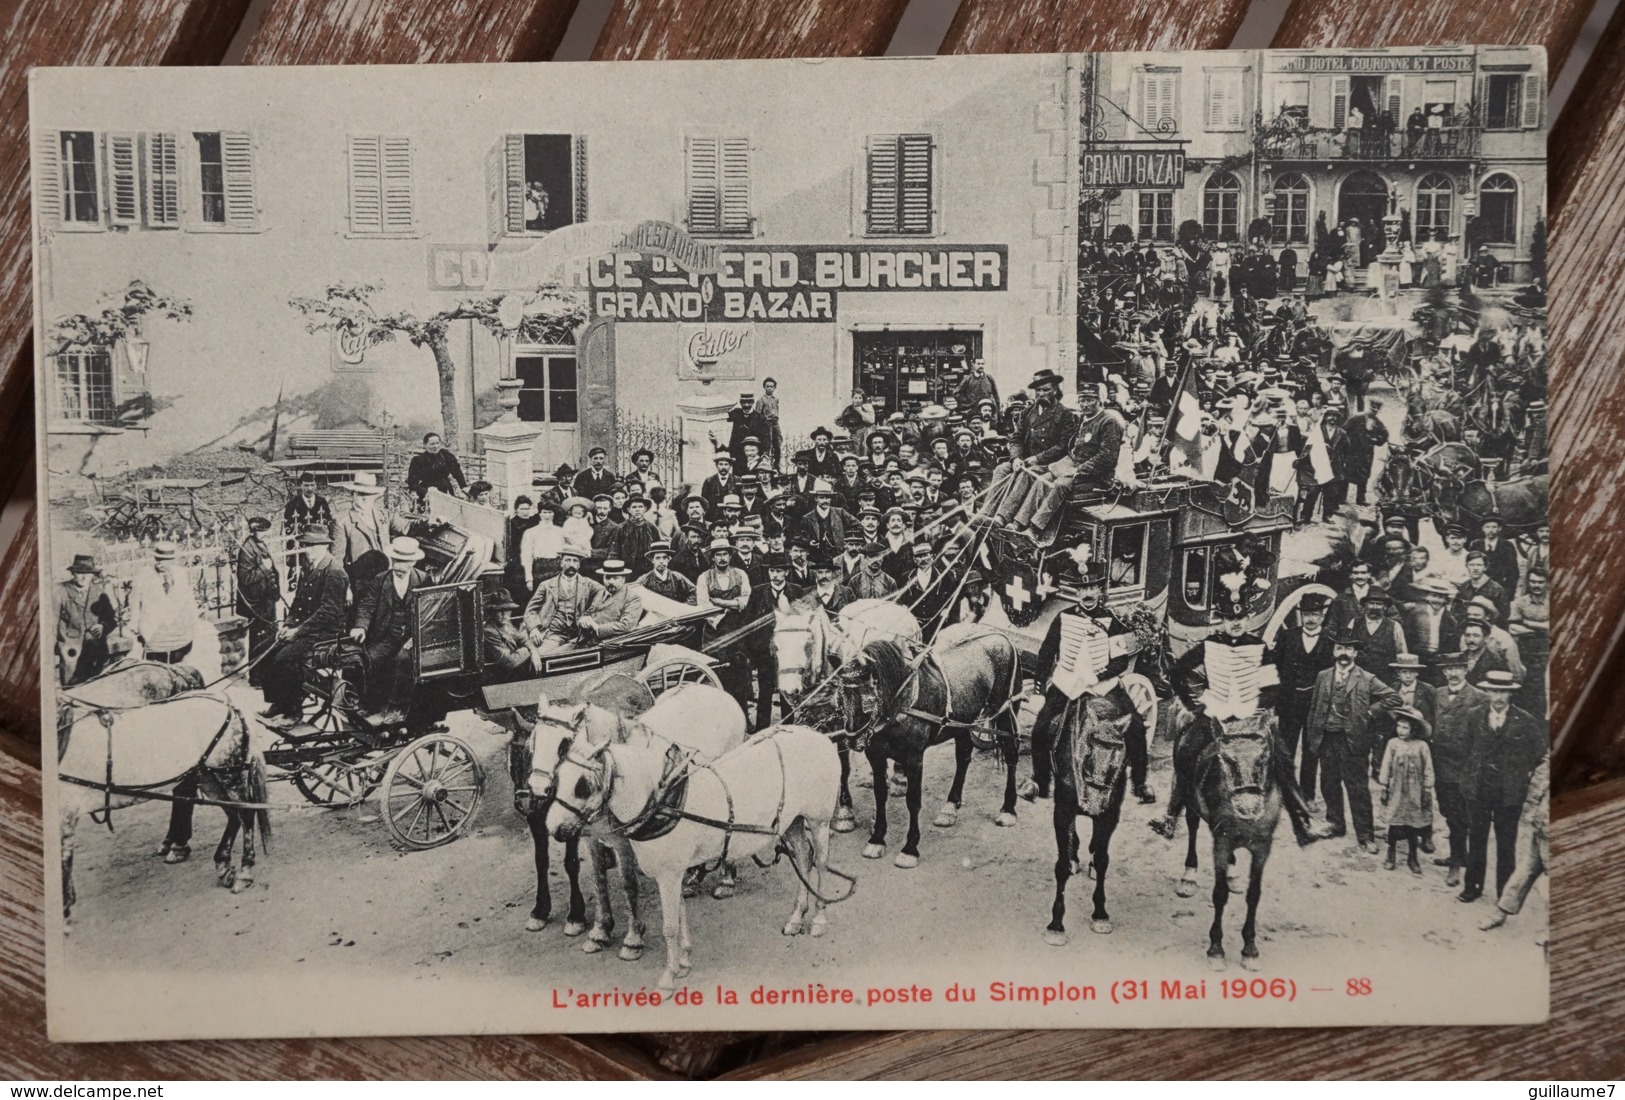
{"x": 1026, "y": 541}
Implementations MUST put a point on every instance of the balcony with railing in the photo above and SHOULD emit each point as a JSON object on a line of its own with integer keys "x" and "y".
{"x": 1288, "y": 137}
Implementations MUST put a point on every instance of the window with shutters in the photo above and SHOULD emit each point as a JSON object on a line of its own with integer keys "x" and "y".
{"x": 900, "y": 193}
{"x": 1224, "y": 100}
{"x": 1156, "y": 215}
{"x": 1292, "y": 100}
{"x": 719, "y": 193}
{"x": 1512, "y": 101}
{"x": 1159, "y": 100}
{"x": 537, "y": 183}
{"x": 81, "y": 199}
{"x": 382, "y": 203}
{"x": 221, "y": 193}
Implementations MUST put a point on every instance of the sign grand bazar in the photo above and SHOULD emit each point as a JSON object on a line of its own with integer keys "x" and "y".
{"x": 770, "y": 283}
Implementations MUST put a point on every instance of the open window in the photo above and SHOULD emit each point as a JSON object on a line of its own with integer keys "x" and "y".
{"x": 446, "y": 630}
{"x": 1193, "y": 576}
{"x": 536, "y": 183}
{"x": 1126, "y": 560}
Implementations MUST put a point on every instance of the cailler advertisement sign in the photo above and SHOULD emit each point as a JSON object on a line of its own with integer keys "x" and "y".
{"x": 708, "y": 352}
{"x": 766, "y": 283}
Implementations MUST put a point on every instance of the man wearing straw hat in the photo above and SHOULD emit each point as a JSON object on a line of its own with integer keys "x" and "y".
{"x": 726, "y": 586}
{"x": 1507, "y": 745}
{"x": 553, "y": 616}
{"x": 383, "y": 626}
{"x": 618, "y": 612}
{"x": 361, "y": 540}
{"x": 317, "y": 614}
{"x": 85, "y": 618}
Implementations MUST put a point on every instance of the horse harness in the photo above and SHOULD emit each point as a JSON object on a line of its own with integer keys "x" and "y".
{"x": 946, "y": 721}
{"x": 105, "y": 716}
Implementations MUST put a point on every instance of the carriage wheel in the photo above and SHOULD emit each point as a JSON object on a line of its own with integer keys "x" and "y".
{"x": 431, "y": 791}
{"x": 334, "y": 784}
{"x": 679, "y": 670}
{"x": 331, "y": 708}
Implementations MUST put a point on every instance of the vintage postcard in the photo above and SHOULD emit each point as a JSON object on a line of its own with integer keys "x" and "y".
{"x": 1013, "y": 541}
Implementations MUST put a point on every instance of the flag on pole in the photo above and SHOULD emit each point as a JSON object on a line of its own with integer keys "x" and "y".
{"x": 1184, "y": 428}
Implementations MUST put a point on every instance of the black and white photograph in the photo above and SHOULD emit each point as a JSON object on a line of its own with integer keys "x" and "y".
{"x": 1054, "y": 540}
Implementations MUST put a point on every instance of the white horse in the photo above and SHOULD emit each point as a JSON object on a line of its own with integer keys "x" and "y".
{"x": 702, "y": 719}
{"x": 779, "y": 788}
{"x": 863, "y": 621}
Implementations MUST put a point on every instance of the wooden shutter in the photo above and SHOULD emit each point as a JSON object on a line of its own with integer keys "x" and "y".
{"x": 704, "y": 186}
{"x": 1534, "y": 91}
{"x": 395, "y": 154}
{"x": 884, "y": 199}
{"x": 366, "y": 185}
{"x": 580, "y": 211}
{"x": 1159, "y": 93}
{"x": 915, "y": 155}
{"x": 1340, "y": 102}
{"x": 513, "y": 182}
{"x": 1393, "y": 87}
{"x": 123, "y": 187}
{"x": 160, "y": 155}
{"x": 1485, "y": 107}
{"x": 1223, "y": 101}
{"x": 736, "y": 185}
{"x": 237, "y": 162}
{"x": 48, "y": 178}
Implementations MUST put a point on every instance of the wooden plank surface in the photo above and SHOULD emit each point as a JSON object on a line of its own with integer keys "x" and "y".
{"x": 1042, "y": 26}
{"x": 644, "y": 30}
{"x": 19, "y": 633}
{"x": 1588, "y": 403}
{"x": 389, "y": 32}
{"x": 1588, "y": 1012}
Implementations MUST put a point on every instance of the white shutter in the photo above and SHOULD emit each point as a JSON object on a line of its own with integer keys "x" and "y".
{"x": 513, "y": 181}
{"x": 48, "y": 178}
{"x": 395, "y": 153}
{"x": 704, "y": 186}
{"x": 736, "y": 185}
{"x": 1340, "y": 102}
{"x": 1483, "y": 113}
{"x": 1158, "y": 98}
{"x": 580, "y": 211}
{"x": 237, "y": 161}
{"x": 161, "y": 166}
{"x": 1223, "y": 101}
{"x": 1534, "y": 91}
{"x": 366, "y": 185}
{"x": 1394, "y": 90}
{"x": 123, "y": 187}
{"x": 884, "y": 200}
{"x": 915, "y": 153}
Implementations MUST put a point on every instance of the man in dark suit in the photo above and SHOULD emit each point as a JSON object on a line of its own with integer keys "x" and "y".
{"x": 828, "y": 586}
{"x": 1301, "y": 654}
{"x": 1381, "y": 639}
{"x": 824, "y": 462}
{"x": 596, "y": 479}
{"x": 317, "y": 615}
{"x": 1340, "y": 731}
{"x": 1366, "y": 433}
{"x": 1478, "y": 583}
{"x": 824, "y": 528}
{"x": 86, "y": 619}
{"x": 1430, "y": 625}
{"x": 1500, "y": 557}
{"x": 721, "y": 484}
{"x": 1480, "y": 659}
{"x": 259, "y": 590}
{"x": 927, "y": 589}
{"x": 383, "y": 626}
{"x": 1507, "y": 744}
{"x": 1453, "y": 705}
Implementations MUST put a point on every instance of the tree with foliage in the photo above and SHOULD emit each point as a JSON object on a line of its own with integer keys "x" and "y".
{"x": 121, "y": 318}
{"x": 1537, "y": 251}
{"x": 551, "y": 316}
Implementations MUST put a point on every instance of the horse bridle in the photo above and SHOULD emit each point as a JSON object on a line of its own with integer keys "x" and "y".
{"x": 573, "y": 727}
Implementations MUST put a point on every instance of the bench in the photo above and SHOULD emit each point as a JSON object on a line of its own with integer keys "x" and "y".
{"x": 328, "y": 451}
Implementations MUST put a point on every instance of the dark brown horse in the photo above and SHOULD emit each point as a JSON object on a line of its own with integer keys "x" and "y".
{"x": 1235, "y": 792}
{"x": 896, "y": 709}
{"x": 1090, "y": 777}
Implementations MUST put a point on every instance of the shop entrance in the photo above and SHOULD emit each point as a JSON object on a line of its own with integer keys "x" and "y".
{"x": 919, "y": 366}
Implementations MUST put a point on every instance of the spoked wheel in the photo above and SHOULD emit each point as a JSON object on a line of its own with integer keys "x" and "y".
{"x": 331, "y": 708}
{"x": 431, "y": 791}
{"x": 336, "y": 784}
{"x": 679, "y": 670}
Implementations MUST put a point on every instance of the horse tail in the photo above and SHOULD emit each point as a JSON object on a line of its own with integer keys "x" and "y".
{"x": 258, "y": 791}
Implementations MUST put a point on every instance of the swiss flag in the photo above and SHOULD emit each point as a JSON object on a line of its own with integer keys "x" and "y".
{"x": 1184, "y": 430}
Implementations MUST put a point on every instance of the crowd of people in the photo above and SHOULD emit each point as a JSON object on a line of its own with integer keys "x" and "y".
{"x": 1420, "y": 669}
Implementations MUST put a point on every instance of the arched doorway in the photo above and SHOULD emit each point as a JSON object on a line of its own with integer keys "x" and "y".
{"x": 1364, "y": 196}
